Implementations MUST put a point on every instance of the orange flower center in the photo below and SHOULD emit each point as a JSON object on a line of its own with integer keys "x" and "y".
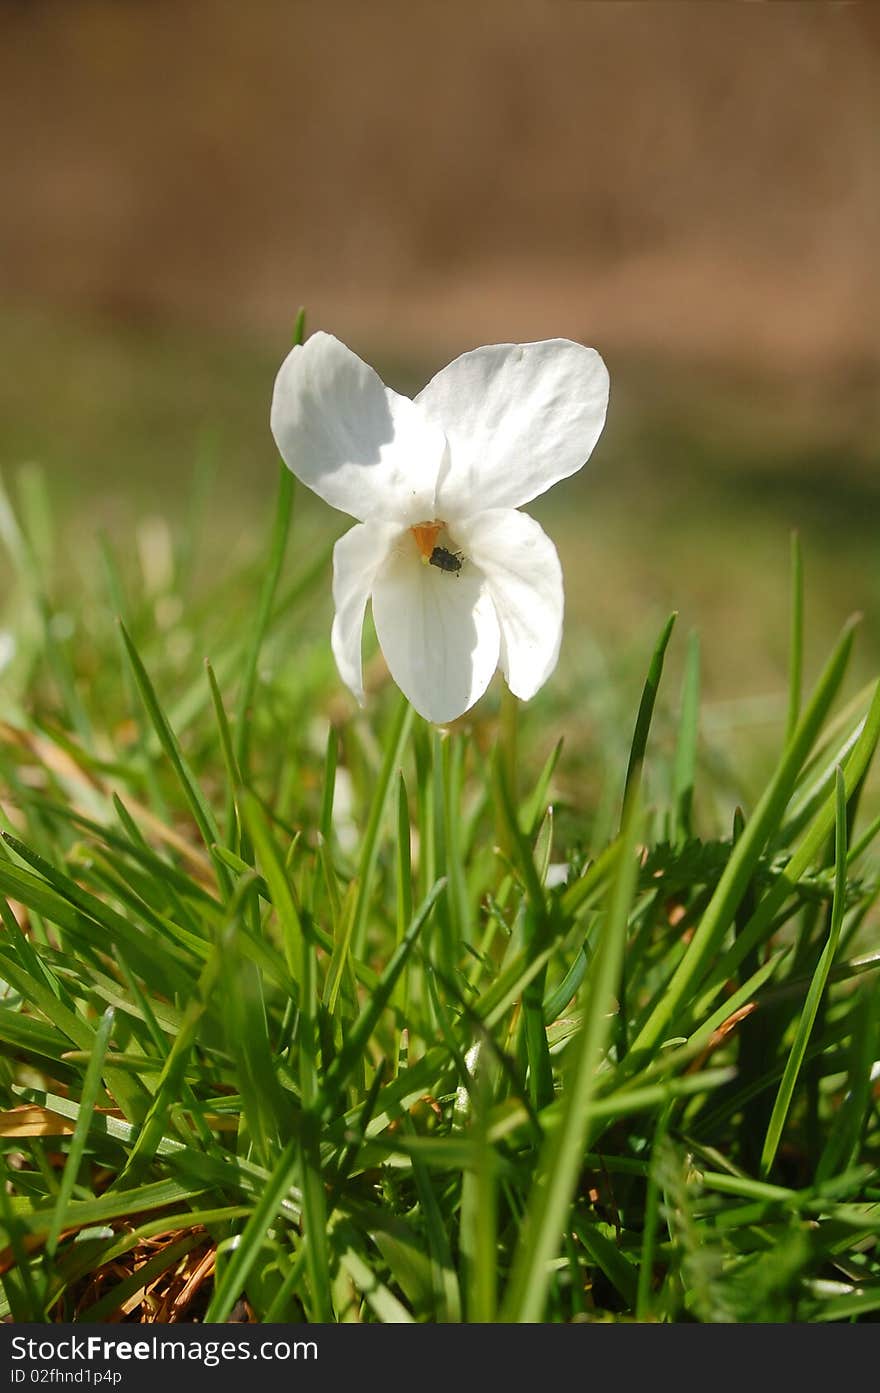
{"x": 426, "y": 534}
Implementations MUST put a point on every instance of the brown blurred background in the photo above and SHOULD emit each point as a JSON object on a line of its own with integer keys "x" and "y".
{"x": 694, "y": 188}
{"x": 667, "y": 177}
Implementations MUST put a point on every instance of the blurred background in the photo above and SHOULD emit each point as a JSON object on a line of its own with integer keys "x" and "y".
{"x": 692, "y": 189}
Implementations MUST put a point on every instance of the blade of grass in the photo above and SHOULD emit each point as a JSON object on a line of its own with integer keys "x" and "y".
{"x": 560, "y": 1159}
{"x": 100, "y": 924}
{"x": 738, "y": 872}
{"x": 651, "y": 1223}
{"x": 807, "y": 1018}
{"x": 385, "y": 1305}
{"x": 278, "y": 881}
{"x": 532, "y": 810}
{"x": 394, "y": 743}
{"x": 404, "y": 882}
{"x": 684, "y": 769}
{"x": 479, "y": 1207}
{"x": 198, "y": 804}
{"x": 140, "y": 1280}
{"x": 381, "y": 995}
{"x": 632, "y": 782}
{"x": 269, "y": 1112}
{"x": 536, "y": 928}
{"x": 328, "y": 788}
{"x": 796, "y": 650}
{"x": 129, "y": 1093}
{"x": 91, "y": 1088}
{"x": 447, "y": 1294}
{"x": 250, "y": 1244}
{"x": 646, "y": 710}
{"x": 314, "y": 1203}
{"x": 168, "y": 1089}
{"x": 807, "y": 850}
{"x": 113, "y": 1204}
{"x": 233, "y": 772}
{"x": 843, "y": 1139}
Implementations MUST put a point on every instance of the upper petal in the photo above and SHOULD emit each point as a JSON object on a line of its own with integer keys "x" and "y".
{"x": 518, "y": 418}
{"x": 356, "y": 559}
{"x": 360, "y": 446}
{"x": 522, "y": 571}
{"x": 438, "y": 631}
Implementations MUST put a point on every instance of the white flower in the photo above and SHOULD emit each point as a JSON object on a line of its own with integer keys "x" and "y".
{"x": 460, "y": 582}
{"x": 7, "y": 649}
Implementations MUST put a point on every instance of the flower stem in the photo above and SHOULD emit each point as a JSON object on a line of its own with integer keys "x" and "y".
{"x": 508, "y": 733}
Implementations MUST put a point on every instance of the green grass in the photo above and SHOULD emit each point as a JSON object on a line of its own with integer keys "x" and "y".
{"x": 567, "y": 1013}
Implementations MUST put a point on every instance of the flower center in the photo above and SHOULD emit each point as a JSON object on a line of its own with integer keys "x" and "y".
{"x": 426, "y": 534}
{"x": 434, "y": 553}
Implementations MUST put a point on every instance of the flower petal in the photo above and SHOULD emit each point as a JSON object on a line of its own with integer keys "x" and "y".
{"x": 524, "y": 577}
{"x": 358, "y": 445}
{"x": 356, "y": 558}
{"x": 438, "y": 632}
{"x": 518, "y": 418}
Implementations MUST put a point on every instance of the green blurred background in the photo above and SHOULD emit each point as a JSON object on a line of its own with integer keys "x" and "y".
{"x": 693, "y": 189}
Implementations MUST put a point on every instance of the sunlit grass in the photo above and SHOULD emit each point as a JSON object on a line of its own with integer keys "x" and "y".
{"x": 569, "y": 1012}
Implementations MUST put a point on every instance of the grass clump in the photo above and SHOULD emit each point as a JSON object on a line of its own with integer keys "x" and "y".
{"x": 316, "y": 1016}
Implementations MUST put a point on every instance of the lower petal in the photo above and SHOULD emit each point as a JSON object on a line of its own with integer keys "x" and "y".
{"x": 524, "y": 578}
{"x": 438, "y": 632}
{"x": 357, "y": 556}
